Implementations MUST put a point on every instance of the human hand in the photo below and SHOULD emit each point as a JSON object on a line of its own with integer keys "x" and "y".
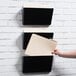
{"x": 57, "y": 52}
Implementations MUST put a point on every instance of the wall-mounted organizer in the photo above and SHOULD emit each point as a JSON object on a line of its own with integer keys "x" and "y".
{"x": 36, "y": 64}
{"x": 37, "y": 16}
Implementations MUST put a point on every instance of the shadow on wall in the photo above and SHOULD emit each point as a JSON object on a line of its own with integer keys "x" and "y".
{"x": 19, "y": 62}
{"x": 18, "y": 18}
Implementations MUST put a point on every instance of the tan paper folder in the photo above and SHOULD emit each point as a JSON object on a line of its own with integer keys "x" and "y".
{"x": 40, "y": 46}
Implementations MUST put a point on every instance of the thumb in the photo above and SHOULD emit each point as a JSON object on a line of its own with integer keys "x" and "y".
{"x": 55, "y": 52}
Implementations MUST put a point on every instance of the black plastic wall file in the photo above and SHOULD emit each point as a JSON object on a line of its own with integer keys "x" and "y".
{"x": 36, "y": 64}
{"x": 37, "y": 16}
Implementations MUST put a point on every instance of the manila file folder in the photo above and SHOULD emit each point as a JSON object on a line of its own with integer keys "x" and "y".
{"x": 40, "y": 46}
